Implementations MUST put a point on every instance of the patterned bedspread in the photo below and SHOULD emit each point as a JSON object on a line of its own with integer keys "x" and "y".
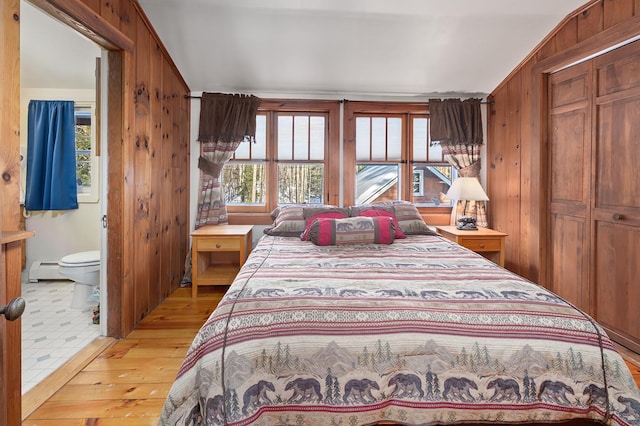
{"x": 421, "y": 331}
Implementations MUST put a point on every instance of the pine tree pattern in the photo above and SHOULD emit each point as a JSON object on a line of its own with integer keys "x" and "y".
{"x": 383, "y": 364}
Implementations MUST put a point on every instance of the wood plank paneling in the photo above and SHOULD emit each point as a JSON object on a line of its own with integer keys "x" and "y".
{"x": 567, "y": 35}
{"x": 110, "y": 10}
{"x": 528, "y": 242}
{"x": 616, "y": 11}
{"x": 93, "y": 4}
{"x": 512, "y": 186}
{"x": 590, "y": 21}
{"x": 156, "y": 154}
{"x": 143, "y": 171}
{"x": 10, "y": 114}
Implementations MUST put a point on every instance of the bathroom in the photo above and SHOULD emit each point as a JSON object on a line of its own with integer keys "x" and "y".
{"x": 59, "y": 320}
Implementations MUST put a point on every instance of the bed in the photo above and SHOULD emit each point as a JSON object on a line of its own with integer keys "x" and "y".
{"x": 418, "y": 331}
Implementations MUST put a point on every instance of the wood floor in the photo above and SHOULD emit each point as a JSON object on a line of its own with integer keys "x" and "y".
{"x": 128, "y": 382}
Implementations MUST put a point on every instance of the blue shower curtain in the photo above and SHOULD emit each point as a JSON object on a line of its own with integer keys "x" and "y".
{"x": 51, "y": 156}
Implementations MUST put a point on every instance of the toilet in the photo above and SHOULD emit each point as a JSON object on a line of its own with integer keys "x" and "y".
{"x": 84, "y": 269}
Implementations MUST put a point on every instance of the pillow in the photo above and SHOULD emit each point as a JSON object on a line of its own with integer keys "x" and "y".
{"x": 408, "y": 216}
{"x": 352, "y": 230}
{"x": 371, "y": 211}
{"x": 290, "y": 220}
{"x": 275, "y": 212}
{"x": 337, "y": 214}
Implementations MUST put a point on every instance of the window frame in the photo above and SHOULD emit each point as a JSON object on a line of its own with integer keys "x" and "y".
{"x": 272, "y": 108}
{"x": 408, "y": 111}
{"x": 92, "y": 196}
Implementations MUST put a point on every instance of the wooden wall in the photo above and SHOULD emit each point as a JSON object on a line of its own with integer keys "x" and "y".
{"x": 516, "y": 146}
{"x": 148, "y": 148}
{"x": 155, "y": 208}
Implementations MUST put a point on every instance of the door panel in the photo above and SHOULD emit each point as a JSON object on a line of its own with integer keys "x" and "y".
{"x": 10, "y": 333}
{"x": 569, "y": 268}
{"x": 617, "y": 270}
{"x": 618, "y": 156}
{"x": 616, "y": 188}
{"x": 569, "y": 183}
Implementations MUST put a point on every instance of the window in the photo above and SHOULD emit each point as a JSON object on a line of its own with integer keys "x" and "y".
{"x": 296, "y": 158}
{"x": 392, "y": 157}
{"x": 288, "y": 162}
{"x": 87, "y": 176}
{"x": 432, "y": 175}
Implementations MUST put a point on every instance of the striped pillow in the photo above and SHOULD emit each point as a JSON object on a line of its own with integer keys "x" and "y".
{"x": 352, "y": 230}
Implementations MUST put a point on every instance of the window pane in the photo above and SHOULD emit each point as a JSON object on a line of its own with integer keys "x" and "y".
{"x": 435, "y": 152}
{"x": 377, "y": 182}
{"x": 254, "y": 150}
{"x": 316, "y": 150}
{"x": 300, "y": 183}
{"x": 301, "y": 138}
{"x": 394, "y": 142}
{"x": 244, "y": 183}
{"x": 259, "y": 148}
{"x": 285, "y": 137}
{"x": 378, "y": 138}
{"x": 363, "y": 138}
{"x": 431, "y": 183}
{"x": 83, "y": 148}
{"x": 243, "y": 152}
{"x": 420, "y": 145}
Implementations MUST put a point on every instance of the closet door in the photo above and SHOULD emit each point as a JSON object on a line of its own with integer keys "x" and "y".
{"x": 616, "y": 213}
{"x": 569, "y": 160}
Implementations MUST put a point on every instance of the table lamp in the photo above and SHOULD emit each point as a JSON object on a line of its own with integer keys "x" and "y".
{"x": 466, "y": 189}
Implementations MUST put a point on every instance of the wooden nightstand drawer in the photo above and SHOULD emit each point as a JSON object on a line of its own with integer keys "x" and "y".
{"x": 219, "y": 244}
{"x": 480, "y": 245}
{"x": 485, "y": 241}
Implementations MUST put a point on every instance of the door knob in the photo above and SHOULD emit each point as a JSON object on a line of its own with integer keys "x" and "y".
{"x": 14, "y": 309}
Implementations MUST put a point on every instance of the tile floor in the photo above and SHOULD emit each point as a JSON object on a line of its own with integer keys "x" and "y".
{"x": 52, "y": 331}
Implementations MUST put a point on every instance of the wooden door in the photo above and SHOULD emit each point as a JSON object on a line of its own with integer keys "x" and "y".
{"x": 616, "y": 188}
{"x": 10, "y": 332}
{"x": 569, "y": 180}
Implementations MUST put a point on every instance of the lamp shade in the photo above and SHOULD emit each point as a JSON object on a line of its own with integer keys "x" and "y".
{"x": 466, "y": 188}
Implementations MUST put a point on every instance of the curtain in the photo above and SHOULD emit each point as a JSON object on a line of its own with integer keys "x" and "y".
{"x": 51, "y": 182}
{"x": 457, "y": 126}
{"x": 225, "y": 122}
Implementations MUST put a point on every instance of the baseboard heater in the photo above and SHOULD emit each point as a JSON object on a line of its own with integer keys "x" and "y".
{"x": 44, "y": 270}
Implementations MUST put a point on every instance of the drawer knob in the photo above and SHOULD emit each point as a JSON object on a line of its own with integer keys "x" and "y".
{"x": 481, "y": 245}
{"x": 617, "y": 216}
{"x": 218, "y": 245}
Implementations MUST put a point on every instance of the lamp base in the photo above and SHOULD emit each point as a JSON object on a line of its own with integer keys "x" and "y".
{"x": 467, "y": 227}
{"x": 466, "y": 223}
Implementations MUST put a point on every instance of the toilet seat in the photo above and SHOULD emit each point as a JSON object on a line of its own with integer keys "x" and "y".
{"x": 82, "y": 259}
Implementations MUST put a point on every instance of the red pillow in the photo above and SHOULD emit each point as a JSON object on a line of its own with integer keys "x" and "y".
{"x": 323, "y": 215}
{"x": 374, "y": 212}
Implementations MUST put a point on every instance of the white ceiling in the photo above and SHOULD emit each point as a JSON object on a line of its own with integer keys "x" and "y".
{"x": 361, "y": 47}
{"x": 374, "y": 48}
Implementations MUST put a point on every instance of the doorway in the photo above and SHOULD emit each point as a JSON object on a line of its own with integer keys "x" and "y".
{"x": 58, "y": 63}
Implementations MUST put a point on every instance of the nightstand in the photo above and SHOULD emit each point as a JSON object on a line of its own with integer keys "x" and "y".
{"x": 217, "y": 254}
{"x": 485, "y": 241}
